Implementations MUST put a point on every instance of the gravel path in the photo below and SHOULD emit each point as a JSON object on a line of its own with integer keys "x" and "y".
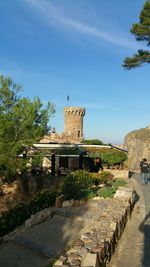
{"x": 134, "y": 247}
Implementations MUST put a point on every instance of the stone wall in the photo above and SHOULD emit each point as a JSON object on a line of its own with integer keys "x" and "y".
{"x": 22, "y": 190}
{"x": 99, "y": 239}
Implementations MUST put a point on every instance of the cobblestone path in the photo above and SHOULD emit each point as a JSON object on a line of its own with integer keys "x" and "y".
{"x": 134, "y": 247}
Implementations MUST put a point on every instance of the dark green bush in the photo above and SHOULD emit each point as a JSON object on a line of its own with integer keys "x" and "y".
{"x": 16, "y": 216}
{"x": 12, "y": 218}
{"x": 42, "y": 200}
{"x": 75, "y": 182}
{"x": 92, "y": 142}
{"x": 88, "y": 193}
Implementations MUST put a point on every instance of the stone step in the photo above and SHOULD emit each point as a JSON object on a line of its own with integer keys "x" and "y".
{"x": 77, "y": 214}
{"x": 89, "y": 212}
{"x": 51, "y": 237}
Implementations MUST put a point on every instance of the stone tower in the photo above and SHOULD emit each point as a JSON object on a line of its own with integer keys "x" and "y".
{"x": 73, "y": 123}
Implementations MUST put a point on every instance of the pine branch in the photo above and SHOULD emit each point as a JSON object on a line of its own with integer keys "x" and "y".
{"x": 142, "y": 57}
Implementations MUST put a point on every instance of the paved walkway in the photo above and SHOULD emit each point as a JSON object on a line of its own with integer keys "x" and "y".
{"x": 134, "y": 247}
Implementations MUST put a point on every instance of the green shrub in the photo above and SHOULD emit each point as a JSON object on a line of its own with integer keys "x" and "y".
{"x": 114, "y": 157}
{"x": 96, "y": 178}
{"x": 12, "y": 218}
{"x": 42, "y": 200}
{"x": 110, "y": 157}
{"x": 87, "y": 194}
{"x": 16, "y": 216}
{"x": 92, "y": 142}
{"x": 102, "y": 177}
{"x": 108, "y": 192}
{"x": 106, "y": 177}
{"x": 75, "y": 182}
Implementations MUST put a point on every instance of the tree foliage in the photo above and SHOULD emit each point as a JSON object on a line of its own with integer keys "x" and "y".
{"x": 110, "y": 157}
{"x": 92, "y": 142}
{"x": 22, "y": 122}
{"x": 141, "y": 31}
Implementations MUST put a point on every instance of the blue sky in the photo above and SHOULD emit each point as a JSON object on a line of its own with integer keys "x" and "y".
{"x": 56, "y": 48}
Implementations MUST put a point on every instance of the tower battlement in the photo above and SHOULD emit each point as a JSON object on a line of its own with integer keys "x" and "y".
{"x": 76, "y": 111}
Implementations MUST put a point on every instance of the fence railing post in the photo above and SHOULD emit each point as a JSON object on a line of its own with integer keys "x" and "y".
{"x": 81, "y": 161}
{"x": 53, "y": 165}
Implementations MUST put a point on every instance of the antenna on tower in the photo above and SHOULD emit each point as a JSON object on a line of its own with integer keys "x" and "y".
{"x": 67, "y": 97}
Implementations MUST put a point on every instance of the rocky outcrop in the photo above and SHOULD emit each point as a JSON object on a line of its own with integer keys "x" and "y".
{"x": 138, "y": 145}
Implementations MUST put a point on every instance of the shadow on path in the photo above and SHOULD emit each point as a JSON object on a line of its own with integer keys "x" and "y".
{"x": 144, "y": 226}
{"x": 132, "y": 247}
{"x": 145, "y": 229}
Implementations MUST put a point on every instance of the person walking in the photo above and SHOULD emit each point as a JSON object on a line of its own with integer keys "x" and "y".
{"x": 144, "y": 166}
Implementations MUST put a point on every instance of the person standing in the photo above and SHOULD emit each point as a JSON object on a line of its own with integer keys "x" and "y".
{"x": 144, "y": 166}
{"x": 98, "y": 164}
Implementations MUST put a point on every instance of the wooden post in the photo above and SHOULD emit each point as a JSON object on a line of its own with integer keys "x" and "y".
{"x": 81, "y": 161}
{"x": 53, "y": 165}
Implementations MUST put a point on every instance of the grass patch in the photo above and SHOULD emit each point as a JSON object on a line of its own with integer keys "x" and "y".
{"x": 108, "y": 192}
{"x": 88, "y": 194}
{"x": 119, "y": 182}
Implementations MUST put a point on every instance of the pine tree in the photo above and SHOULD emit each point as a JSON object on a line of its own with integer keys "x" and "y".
{"x": 141, "y": 31}
{"x": 22, "y": 122}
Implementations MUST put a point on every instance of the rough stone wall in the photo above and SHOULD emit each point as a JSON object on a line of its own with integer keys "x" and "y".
{"x": 22, "y": 190}
{"x": 52, "y": 137}
{"x": 138, "y": 145}
{"x": 56, "y": 138}
{"x": 100, "y": 236}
